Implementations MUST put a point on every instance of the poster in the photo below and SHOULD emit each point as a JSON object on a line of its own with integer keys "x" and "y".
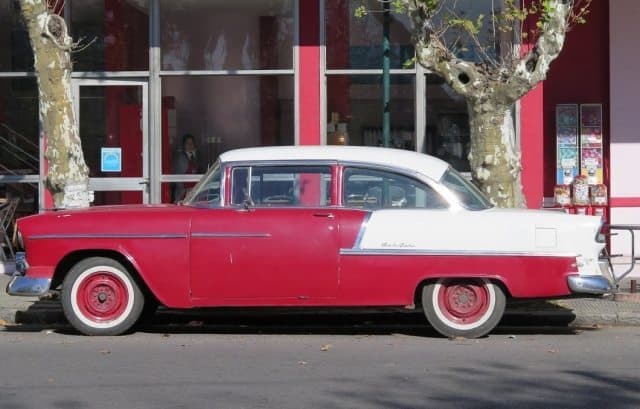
{"x": 567, "y": 165}
{"x": 591, "y": 147}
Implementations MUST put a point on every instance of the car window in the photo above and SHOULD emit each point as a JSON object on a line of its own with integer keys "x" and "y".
{"x": 207, "y": 190}
{"x": 282, "y": 185}
{"x": 468, "y": 194}
{"x": 374, "y": 189}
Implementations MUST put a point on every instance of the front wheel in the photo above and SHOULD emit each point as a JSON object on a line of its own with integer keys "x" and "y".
{"x": 468, "y": 308}
{"x": 100, "y": 297}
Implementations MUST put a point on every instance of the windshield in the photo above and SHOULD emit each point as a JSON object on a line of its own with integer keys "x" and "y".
{"x": 207, "y": 190}
{"x": 466, "y": 192}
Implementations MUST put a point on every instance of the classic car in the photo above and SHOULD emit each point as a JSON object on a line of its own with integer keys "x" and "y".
{"x": 321, "y": 226}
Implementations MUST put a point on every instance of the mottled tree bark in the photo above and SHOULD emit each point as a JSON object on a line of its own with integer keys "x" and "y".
{"x": 68, "y": 176}
{"x": 490, "y": 94}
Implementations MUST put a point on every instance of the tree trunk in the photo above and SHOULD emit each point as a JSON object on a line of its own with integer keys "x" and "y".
{"x": 68, "y": 176}
{"x": 494, "y": 157}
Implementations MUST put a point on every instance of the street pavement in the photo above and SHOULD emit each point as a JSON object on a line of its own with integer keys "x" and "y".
{"x": 572, "y": 312}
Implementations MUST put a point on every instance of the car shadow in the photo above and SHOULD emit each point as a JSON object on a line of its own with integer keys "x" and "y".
{"x": 531, "y": 317}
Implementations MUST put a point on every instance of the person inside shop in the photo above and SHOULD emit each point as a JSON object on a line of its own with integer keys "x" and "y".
{"x": 186, "y": 161}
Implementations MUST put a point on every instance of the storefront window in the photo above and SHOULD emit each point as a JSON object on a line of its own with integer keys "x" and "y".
{"x": 354, "y": 110}
{"x": 356, "y": 42}
{"x": 218, "y": 35}
{"x": 26, "y": 192}
{"x": 19, "y": 126}
{"x": 118, "y": 30}
{"x": 15, "y": 50}
{"x": 204, "y": 116}
{"x": 447, "y": 124}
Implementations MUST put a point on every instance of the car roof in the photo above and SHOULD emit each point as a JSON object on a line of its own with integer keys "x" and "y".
{"x": 397, "y": 158}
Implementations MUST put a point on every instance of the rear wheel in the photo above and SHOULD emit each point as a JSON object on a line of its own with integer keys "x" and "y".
{"x": 100, "y": 297}
{"x": 467, "y": 307}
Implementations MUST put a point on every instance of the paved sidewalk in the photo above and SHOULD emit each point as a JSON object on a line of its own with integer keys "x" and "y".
{"x": 576, "y": 312}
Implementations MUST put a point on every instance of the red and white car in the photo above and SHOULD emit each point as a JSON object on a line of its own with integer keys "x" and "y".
{"x": 311, "y": 227}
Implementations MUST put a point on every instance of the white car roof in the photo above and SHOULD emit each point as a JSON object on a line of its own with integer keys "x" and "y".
{"x": 427, "y": 165}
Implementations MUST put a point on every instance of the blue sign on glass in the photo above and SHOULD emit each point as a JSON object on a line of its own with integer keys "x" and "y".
{"x": 111, "y": 159}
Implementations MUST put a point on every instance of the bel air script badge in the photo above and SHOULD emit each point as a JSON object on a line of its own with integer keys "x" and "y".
{"x": 399, "y": 244}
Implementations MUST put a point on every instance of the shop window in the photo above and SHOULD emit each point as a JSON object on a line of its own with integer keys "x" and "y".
{"x": 354, "y": 110}
{"x": 206, "y": 35}
{"x": 219, "y": 113}
{"x": 15, "y": 49}
{"x": 356, "y": 42}
{"x": 447, "y": 124}
{"x": 19, "y": 126}
{"x": 118, "y": 31}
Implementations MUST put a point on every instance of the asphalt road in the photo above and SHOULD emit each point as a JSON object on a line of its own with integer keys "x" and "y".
{"x": 364, "y": 365}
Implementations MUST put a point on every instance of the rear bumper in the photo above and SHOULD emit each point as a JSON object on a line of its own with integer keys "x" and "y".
{"x": 589, "y": 284}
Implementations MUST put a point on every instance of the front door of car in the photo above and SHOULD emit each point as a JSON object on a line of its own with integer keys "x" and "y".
{"x": 280, "y": 240}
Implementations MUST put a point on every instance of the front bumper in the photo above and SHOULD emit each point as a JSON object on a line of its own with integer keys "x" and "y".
{"x": 26, "y": 286}
{"x": 29, "y": 286}
{"x": 589, "y": 284}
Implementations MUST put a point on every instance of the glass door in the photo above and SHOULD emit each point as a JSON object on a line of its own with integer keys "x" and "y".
{"x": 113, "y": 122}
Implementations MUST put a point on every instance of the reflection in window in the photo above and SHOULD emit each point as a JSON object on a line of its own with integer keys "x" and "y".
{"x": 372, "y": 189}
{"x": 15, "y": 49}
{"x": 356, "y": 43}
{"x": 447, "y": 124}
{"x": 119, "y": 31}
{"x": 216, "y": 35}
{"x": 19, "y": 127}
{"x": 354, "y": 109}
{"x": 223, "y": 113}
{"x": 282, "y": 186}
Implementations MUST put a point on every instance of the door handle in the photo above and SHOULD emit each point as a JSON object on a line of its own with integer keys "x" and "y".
{"x": 145, "y": 182}
{"x": 327, "y": 215}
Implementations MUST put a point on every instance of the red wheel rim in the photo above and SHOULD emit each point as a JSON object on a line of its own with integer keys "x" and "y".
{"x": 463, "y": 302}
{"x": 102, "y": 296}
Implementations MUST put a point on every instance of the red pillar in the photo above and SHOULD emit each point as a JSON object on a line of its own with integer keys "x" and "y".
{"x": 532, "y": 145}
{"x": 309, "y": 72}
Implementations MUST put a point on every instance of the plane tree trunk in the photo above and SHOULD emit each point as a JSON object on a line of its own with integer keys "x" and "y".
{"x": 68, "y": 176}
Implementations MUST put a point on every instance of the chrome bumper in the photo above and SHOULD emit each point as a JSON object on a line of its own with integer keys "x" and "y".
{"x": 23, "y": 285}
{"x": 28, "y": 286}
{"x": 589, "y": 284}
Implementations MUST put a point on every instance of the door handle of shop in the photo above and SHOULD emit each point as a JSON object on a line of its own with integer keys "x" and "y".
{"x": 327, "y": 215}
{"x": 144, "y": 182}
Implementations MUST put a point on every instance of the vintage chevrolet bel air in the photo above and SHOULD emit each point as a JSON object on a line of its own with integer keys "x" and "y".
{"x": 311, "y": 227}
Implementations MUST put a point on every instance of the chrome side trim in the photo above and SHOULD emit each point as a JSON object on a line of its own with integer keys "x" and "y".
{"x": 108, "y": 236}
{"x": 413, "y": 252}
{"x": 203, "y": 234}
{"x": 363, "y": 229}
{"x": 28, "y": 286}
{"x": 589, "y": 284}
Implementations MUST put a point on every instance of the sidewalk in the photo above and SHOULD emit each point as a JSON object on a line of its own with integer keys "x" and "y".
{"x": 574, "y": 312}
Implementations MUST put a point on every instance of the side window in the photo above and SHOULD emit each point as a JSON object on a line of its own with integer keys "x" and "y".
{"x": 240, "y": 185}
{"x": 374, "y": 189}
{"x": 282, "y": 185}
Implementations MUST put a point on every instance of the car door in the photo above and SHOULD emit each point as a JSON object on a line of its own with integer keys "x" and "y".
{"x": 279, "y": 236}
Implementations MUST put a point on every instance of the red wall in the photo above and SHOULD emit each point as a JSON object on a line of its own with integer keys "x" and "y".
{"x": 580, "y": 75}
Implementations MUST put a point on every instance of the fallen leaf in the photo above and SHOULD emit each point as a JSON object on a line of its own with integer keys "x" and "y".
{"x": 302, "y": 363}
{"x": 552, "y": 351}
{"x": 326, "y": 347}
{"x": 3, "y": 322}
{"x": 105, "y": 352}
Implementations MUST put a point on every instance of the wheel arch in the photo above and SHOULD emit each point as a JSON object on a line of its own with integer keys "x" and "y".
{"x": 417, "y": 295}
{"x": 71, "y": 259}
